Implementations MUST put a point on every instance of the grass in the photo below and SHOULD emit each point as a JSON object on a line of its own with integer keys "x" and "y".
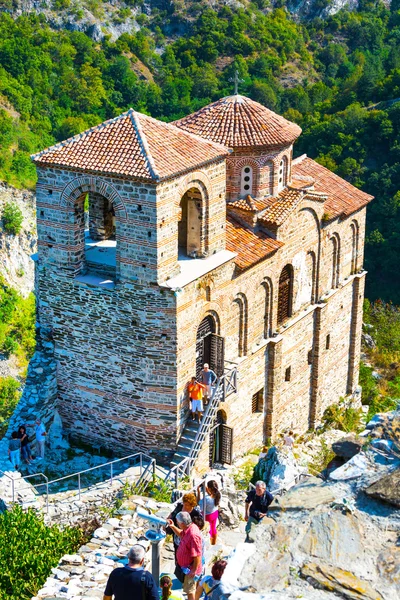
{"x": 242, "y": 475}
{"x": 321, "y": 459}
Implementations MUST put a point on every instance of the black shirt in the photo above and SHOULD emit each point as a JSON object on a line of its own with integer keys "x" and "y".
{"x": 25, "y": 441}
{"x": 125, "y": 584}
{"x": 259, "y": 504}
{"x": 196, "y": 512}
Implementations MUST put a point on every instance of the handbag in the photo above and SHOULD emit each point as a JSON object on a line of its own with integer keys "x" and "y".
{"x": 179, "y": 574}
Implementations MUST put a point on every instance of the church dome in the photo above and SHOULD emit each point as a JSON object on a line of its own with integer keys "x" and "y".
{"x": 239, "y": 122}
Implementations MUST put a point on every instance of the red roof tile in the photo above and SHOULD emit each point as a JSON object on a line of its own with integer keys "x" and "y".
{"x": 284, "y": 204}
{"x": 135, "y": 146}
{"x": 238, "y": 122}
{"x": 342, "y": 197}
{"x": 251, "y": 247}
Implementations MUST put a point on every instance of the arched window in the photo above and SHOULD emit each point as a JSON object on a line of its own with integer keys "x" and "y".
{"x": 354, "y": 246}
{"x": 241, "y": 302}
{"x": 267, "y": 285}
{"x": 311, "y": 272}
{"x": 335, "y": 260}
{"x": 285, "y": 294}
{"x": 190, "y": 224}
{"x": 246, "y": 181}
{"x": 282, "y": 178}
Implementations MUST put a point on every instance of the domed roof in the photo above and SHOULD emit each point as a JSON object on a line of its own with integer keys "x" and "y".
{"x": 239, "y": 122}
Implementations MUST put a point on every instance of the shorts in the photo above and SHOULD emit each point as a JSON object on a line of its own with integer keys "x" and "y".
{"x": 189, "y": 585}
{"x": 208, "y": 391}
{"x": 197, "y": 405}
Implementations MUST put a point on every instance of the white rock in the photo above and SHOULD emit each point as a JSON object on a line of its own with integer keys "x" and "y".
{"x": 101, "y": 533}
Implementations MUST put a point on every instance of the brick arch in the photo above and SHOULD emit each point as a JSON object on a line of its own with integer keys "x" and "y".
{"x": 315, "y": 216}
{"x": 196, "y": 179}
{"x": 83, "y": 184}
{"x": 241, "y": 301}
{"x": 267, "y": 285}
{"x": 244, "y": 162}
{"x": 355, "y": 235}
{"x": 214, "y": 310}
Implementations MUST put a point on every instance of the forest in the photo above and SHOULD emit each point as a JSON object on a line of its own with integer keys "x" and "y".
{"x": 339, "y": 78}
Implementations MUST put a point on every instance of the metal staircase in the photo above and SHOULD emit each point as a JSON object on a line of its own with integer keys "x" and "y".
{"x": 194, "y": 435}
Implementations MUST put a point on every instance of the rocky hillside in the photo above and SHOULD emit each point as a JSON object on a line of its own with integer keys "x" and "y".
{"x": 99, "y": 18}
{"x": 16, "y": 266}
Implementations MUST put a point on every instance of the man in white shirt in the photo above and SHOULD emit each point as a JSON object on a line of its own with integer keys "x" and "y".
{"x": 40, "y": 433}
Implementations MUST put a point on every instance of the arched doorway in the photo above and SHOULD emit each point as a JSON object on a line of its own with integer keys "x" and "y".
{"x": 209, "y": 347}
{"x": 221, "y": 440}
{"x": 190, "y": 224}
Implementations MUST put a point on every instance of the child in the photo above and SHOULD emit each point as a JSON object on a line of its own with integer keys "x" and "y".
{"x": 166, "y": 587}
{"x": 14, "y": 450}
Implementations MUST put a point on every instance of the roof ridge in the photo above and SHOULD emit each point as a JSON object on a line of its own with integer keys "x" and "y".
{"x": 144, "y": 146}
{"x": 299, "y": 159}
{"x": 78, "y": 136}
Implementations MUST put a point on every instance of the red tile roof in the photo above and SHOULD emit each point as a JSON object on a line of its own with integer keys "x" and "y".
{"x": 251, "y": 247}
{"x": 238, "y": 122}
{"x": 342, "y": 197}
{"x": 132, "y": 145}
{"x": 251, "y": 204}
{"x": 284, "y": 204}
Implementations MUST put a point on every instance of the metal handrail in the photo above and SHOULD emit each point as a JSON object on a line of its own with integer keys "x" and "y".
{"x": 226, "y": 384}
{"x": 47, "y": 483}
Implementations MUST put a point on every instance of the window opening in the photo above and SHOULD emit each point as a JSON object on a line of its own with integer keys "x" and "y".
{"x": 257, "y": 401}
{"x": 309, "y": 357}
{"x": 285, "y": 294}
{"x": 246, "y": 181}
{"x": 288, "y": 373}
{"x": 328, "y": 341}
{"x": 190, "y": 224}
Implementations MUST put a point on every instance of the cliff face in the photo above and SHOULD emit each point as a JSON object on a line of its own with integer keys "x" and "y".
{"x": 16, "y": 266}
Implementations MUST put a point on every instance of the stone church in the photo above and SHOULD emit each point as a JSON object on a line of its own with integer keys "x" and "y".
{"x": 164, "y": 246}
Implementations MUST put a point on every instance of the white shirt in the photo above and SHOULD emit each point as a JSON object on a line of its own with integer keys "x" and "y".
{"x": 40, "y": 430}
{"x": 288, "y": 441}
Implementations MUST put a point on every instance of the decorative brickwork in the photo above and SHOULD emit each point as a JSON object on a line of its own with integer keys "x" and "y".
{"x": 124, "y": 308}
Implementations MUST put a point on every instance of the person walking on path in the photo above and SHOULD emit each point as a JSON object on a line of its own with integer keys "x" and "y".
{"x": 25, "y": 447}
{"x": 256, "y": 506}
{"x": 288, "y": 440}
{"x": 188, "y": 556}
{"x": 195, "y": 390}
{"x": 208, "y": 377}
{"x": 132, "y": 581}
{"x": 212, "y": 586}
{"x": 14, "y": 450}
{"x": 188, "y": 504}
{"x": 40, "y": 433}
{"x": 212, "y": 500}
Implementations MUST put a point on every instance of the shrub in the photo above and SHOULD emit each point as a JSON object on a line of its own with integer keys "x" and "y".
{"x": 159, "y": 490}
{"x": 9, "y": 396}
{"x": 12, "y": 218}
{"x": 23, "y": 568}
{"x": 344, "y": 418}
{"x": 321, "y": 459}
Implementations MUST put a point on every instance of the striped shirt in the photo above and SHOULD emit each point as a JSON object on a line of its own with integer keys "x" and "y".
{"x": 190, "y": 547}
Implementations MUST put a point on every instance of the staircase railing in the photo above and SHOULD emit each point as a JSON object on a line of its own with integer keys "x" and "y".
{"x": 226, "y": 384}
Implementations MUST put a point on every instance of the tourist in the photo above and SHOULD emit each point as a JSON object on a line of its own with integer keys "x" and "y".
{"x": 132, "y": 581}
{"x": 166, "y": 589}
{"x": 208, "y": 377}
{"x": 14, "y": 450}
{"x": 288, "y": 440}
{"x": 188, "y": 503}
{"x": 188, "y": 556}
{"x": 212, "y": 586}
{"x": 212, "y": 499}
{"x": 40, "y": 433}
{"x": 199, "y": 521}
{"x": 25, "y": 447}
{"x": 195, "y": 390}
{"x": 256, "y": 506}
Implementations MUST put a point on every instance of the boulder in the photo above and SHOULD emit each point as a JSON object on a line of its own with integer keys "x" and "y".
{"x": 305, "y": 496}
{"x": 388, "y": 565}
{"x": 354, "y": 468}
{"x": 334, "y": 537}
{"x": 279, "y": 469}
{"x": 348, "y": 446}
{"x": 387, "y": 488}
{"x": 337, "y": 580}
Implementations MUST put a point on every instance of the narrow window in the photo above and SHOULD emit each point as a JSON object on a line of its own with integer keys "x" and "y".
{"x": 309, "y": 357}
{"x": 328, "y": 341}
{"x": 288, "y": 373}
{"x": 282, "y": 174}
{"x": 257, "y": 401}
{"x": 246, "y": 181}
{"x": 285, "y": 294}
